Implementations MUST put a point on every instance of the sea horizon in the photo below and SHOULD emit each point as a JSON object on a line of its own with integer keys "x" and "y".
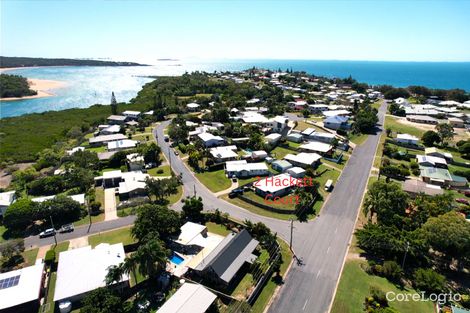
{"x": 90, "y": 85}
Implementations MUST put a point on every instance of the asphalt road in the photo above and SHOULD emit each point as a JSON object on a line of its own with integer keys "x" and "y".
{"x": 323, "y": 243}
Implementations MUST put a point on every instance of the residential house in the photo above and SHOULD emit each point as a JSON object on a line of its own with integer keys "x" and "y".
{"x": 431, "y": 161}
{"x": 318, "y": 147}
{"x": 111, "y": 129}
{"x": 116, "y": 119}
{"x": 259, "y": 155}
{"x": 242, "y": 169}
{"x": 224, "y": 154}
{"x": 128, "y": 184}
{"x": 275, "y": 186}
{"x": 210, "y": 140}
{"x": 332, "y": 113}
{"x": 415, "y": 187}
{"x": 82, "y": 270}
{"x": 135, "y": 162}
{"x": 306, "y": 133}
{"x": 281, "y": 165}
{"x": 295, "y": 137}
{"x": 423, "y": 119}
{"x": 192, "y": 107}
{"x": 336, "y": 122}
{"x": 226, "y": 260}
{"x": 189, "y": 298}
{"x": 303, "y": 159}
{"x": 273, "y": 138}
{"x": 22, "y": 289}
{"x": 407, "y": 139}
{"x": 6, "y": 199}
{"x": 296, "y": 172}
{"x": 323, "y": 137}
{"x": 317, "y": 108}
{"x": 456, "y": 122}
{"x": 432, "y": 151}
{"x": 441, "y": 177}
{"x": 104, "y": 139}
{"x": 80, "y": 198}
{"x": 277, "y": 124}
{"x": 131, "y": 115}
{"x": 123, "y": 144}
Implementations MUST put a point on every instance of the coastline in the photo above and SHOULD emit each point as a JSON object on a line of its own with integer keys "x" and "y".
{"x": 41, "y": 86}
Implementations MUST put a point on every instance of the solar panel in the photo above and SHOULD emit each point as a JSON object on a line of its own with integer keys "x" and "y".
{"x": 9, "y": 282}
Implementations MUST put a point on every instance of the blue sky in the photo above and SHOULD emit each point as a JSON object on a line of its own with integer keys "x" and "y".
{"x": 146, "y": 30}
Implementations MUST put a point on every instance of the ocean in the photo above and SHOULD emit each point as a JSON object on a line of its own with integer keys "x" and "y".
{"x": 86, "y": 86}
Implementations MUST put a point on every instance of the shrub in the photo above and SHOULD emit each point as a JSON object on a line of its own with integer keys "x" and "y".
{"x": 160, "y": 171}
{"x": 428, "y": 280}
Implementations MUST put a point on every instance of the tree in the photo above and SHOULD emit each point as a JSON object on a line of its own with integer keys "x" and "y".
{"x": 113, "y": 104}
{"x": 161, "y": 188}
{"x": 178, "y": 131}
{"x": 84, "y": 159}
{"x": 155, "y": 219}
{"x": 450, "y": 234}
{"x": 102, "y": 300}
{"x": 430, "y": 138}
{"x": 61, "y": 209}
{"x": 365, "y": 119}
{"x": 445, "y": 131}
{"x": 305, "y": 199}
{"x": 10, "y": 253}
{"x": 388, "y": 201}
{"x": 20, "y": 214}
{"x": 192, "y": 209}
{"x": 396, "y": 109}
{"x": 151, "y": 153}
{"x": 428, "y": 280}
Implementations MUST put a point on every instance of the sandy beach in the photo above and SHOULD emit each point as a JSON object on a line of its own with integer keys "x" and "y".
{"x": 43, "y": 87}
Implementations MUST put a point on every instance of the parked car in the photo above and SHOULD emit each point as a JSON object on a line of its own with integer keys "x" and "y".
{"x": 47, "y": 233}
{"x": 328, "y": 185}
{"x": 176, "y": 152}
{"x": 463, "y": 201}
{"x": 235, "y": 192}
{"x": 166, "y": 138}
{"x": 67, "y": 228}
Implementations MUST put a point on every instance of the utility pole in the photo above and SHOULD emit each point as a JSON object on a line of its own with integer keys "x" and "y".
{"x": 52, "y": 223}
{"x": 194, "y": 190}
{"x": 291, "y": 232}
{"x": 404, "y": 257}
{"x": 169, "y": 155}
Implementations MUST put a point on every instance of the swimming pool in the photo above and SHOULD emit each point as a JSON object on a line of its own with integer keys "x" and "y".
{"x": 176, "y": 259}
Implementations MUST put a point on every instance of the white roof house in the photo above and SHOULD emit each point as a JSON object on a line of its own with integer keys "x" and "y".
{"x": 253, "y": 117}
{"x": 80, "y": 198}
{"x": 303, "y": 159}
{"x": 121, "y": 144}
{"x": 308, "y": 132}
{"x": 84, "y": 269}
{"x": 336, "y": 113}
{"x": 21, "y": 286}
{"x": 224, "y": 153}
{"x": 276, "y": 183}
{"x": 242, "y": 168}
{"x": 191, "y": 234}
{"x": 316, "y": 146}
{"x": 133, "y": 114}
{"x": 6, "y": 199}
{"x": 106, "y": 138}
{"x": 192, "y": 105}
{"x": 407, "y": 138}
{"x": 296, "y": 172}
{"x": 433, "y": 151}
{"x": 189, "y": 298}
{"x": 259, "y": 154}
{"x": 272, "y": 138}
{"x": 210, "y": 140}
{"x": 113, "y": 129}
{"x": 428, "y": 160}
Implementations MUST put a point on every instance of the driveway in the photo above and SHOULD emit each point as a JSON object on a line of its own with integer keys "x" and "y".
{"x": 110, "y": 212}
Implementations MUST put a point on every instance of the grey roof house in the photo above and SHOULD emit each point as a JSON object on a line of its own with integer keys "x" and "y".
{"x": 224, "y": 262}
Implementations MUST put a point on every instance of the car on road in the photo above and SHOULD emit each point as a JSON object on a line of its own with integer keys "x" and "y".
{"x": 47, "y": 233}
{"x": 462, "y": 200}
{"x": 67, "y": 228}
{"x": 166, "y": 138}
{"x": 176, "y": 152}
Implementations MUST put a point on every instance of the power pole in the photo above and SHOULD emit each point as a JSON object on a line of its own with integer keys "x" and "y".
{"x": 194, "y": 190}
{"x": 169, "y": 155}
{"x": 404, "y": 257}
{"x": 52, "y": 223}
{"x": 291, "y": 232}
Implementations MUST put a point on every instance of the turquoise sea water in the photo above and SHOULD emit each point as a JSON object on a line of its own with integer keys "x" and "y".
{"x": 86, "y": 86}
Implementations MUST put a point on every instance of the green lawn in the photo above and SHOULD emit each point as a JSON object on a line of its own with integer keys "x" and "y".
{"x": 268, "y": 290}
{"x": 3, "y": 229}
{"x": 215, "y": 181}
{"x": 97, "y": 149}
{"x": 286, "y": 202}
{"x": 358, "y": 139}
{"x": 112, "y": 237}
{"x": 217, "y": 229}
{"x": 395, "y": 126}
{"x": 61, "y": 247}
{"x": 166, "y": 171}
{"x": 380, "y": 149}
{"x": 340, "y": 165}
{"x": 301, "y": 125}
{"x": 176, "y": 197}
{"x": 280, "y": 152}
{"x": 30, "y": 256}
{"x": 354, "y": 287}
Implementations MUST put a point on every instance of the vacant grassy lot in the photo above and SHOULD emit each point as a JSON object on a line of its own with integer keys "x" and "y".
{"x": 354, "y": 287}
{"x": 215, "y": 181}
{"x": 112, "y": 237}
{"x": 395, "y": 126}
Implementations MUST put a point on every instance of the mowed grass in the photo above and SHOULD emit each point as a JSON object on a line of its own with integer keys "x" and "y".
{"x": 61, "y": 247}
{"x": 112, "y": 237}
{"x": 258, "y": 210}
{"x": 215, "y": 181}
{"x": 396, "y": 126}
{"x": 354, "y": 287}
{"x": 217, "y": 229}
{"x": 280, "y": 152}
{"x": 29, "y": 256}
{"x": 358, "y": 139}
{"x": 175, "y": 197}
{"x": 165, "y": 168}
{"x": 270, "y": 287}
